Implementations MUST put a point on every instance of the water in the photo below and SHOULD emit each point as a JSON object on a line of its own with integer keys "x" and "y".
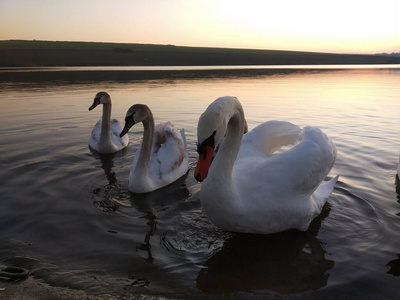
{"x": 66, "y": 213}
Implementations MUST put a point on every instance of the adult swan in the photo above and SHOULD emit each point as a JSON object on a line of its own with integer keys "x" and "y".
{"x": 161, "y": 158}
{"x": 105, "y": 134}
{"x": 248, "y": 187}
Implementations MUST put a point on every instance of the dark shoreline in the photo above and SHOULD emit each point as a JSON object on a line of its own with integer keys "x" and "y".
{"x": 16, "y": 53}
{"x": 85, "y": 76}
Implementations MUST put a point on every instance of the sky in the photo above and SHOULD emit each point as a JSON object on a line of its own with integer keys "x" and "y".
{"x": 350, "y": 26}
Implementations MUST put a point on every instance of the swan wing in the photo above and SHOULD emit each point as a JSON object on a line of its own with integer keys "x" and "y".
{"x": 117, "y": 142}
{"x": 269, "y": 137}
{"x": 295, "y": 173}
{"x": 172, "y": 153}
{"x": 94, "y": 137}
{"x": 285, "y": 190}
{"x": 168, "y": 160}
{"x": 116, "y": 128}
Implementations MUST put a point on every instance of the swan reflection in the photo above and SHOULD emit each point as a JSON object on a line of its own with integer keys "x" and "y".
{"x": 286, "y": 263}
{"x": 144, "y": 248}
{"x": 397, "y": 183}
{"x": 395, "y": 263}
{"x": 394, "y": 266}
{"x": 153, "y": 206}
{"x": 104, "y": 197}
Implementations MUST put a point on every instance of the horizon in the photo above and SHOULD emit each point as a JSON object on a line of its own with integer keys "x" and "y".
{"x": 339, "y": 27}
{"x": 206, "y": 47}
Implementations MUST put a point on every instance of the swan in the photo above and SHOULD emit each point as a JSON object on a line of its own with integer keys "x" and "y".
{"x": 162, "y": 156}
{"x": 105, "y": 137}
{"x": 249, "y": 189}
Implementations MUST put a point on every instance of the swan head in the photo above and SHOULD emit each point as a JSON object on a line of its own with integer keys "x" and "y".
{"x": 100, "y": 98}
{"x": 211, "y": 129}
{"x": 135, "y": 114}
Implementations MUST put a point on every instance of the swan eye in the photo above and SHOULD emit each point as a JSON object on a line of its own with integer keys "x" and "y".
{"x": 130, "y": 117}
{"x": 201, "y": 148}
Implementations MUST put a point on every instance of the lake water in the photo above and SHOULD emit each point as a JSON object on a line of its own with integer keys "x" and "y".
{"x": 67, "y": 216}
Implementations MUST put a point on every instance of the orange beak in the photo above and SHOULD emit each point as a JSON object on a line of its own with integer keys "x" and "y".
{"x": 203, "y": 164}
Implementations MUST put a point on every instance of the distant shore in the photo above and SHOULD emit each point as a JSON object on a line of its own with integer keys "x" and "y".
{"x": 20, "y": 53}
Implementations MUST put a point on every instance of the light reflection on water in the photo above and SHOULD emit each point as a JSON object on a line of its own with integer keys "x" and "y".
{"x": 66, "y": 213}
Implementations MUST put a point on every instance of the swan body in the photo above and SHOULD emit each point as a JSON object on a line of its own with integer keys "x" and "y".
{"x": 162, "y": 156}
{"x": 248, "y": 187}
{"x": 105, "y": 134}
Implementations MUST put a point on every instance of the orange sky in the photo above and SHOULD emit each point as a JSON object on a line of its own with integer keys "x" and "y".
{"x": 349, "y": 26}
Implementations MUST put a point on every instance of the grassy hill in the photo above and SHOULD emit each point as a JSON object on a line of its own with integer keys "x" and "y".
{"x": 18, "y": 53}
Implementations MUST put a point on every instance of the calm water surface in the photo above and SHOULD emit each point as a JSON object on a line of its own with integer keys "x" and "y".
{"x": 66, "y": 213}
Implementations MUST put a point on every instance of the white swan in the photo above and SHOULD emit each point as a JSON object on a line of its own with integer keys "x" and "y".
{"x": 105, "y": 134}
{"x": 248, "y": 188}
{"x": 162, "y": 156}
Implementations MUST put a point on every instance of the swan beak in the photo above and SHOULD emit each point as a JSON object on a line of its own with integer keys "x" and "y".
{"x": 203, "y": 164}
{"x": 128, "y": 124}
{"x": 96, "y": 102}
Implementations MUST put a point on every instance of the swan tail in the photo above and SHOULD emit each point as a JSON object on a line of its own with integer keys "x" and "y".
{"x": 315, "y": 157}
{"x": 183, "y": 134}
{"x": 323, "y": 192}
{"x": 182, "y": 131}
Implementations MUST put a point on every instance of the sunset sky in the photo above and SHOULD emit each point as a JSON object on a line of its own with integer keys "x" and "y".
{"x": 343, "y": 26}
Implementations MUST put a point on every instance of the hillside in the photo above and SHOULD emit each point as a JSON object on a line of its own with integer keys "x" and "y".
{"x": 16, "y": 53}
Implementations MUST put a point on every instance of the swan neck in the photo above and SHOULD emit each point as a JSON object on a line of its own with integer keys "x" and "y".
{"x": 227, "y": 154}
{"x": 145, "y": 151}
{"x": 105, "y": 136}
